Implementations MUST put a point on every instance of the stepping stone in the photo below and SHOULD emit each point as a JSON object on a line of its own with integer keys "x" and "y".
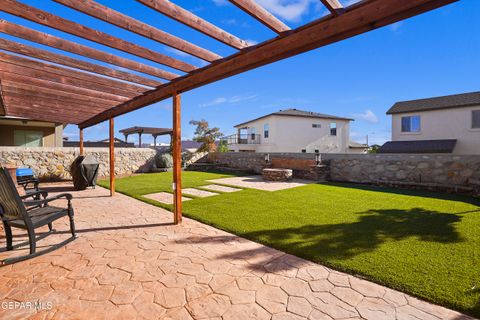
{"x": 199, "y": 193}
{"x": 216, "y": 187}
{"x": 163, "y": 197}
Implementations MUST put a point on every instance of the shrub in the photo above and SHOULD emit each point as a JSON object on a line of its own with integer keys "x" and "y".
{"x": 164, "y": 160}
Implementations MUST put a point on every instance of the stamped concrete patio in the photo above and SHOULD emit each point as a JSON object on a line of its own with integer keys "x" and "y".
{"x": 130, "y": 262}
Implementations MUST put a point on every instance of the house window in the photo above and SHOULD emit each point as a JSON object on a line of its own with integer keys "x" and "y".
{"x": 27, "y": 138}
{"x": 333, "y": 128}
{"x": 411, "y": 124}
{"x": 266, "y": 129}
{"x": 476, "y": 119}
{"x": 316, "y": 125}
{"x": 304, "y": 150}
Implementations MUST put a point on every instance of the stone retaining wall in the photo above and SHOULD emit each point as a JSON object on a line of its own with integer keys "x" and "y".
{"x": 446, "y": 172}
{"x": 54, "y": 163}
{"x": 455, "y": 173}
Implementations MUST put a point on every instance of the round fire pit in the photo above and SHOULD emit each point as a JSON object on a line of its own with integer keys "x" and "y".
{"x": 277, "y": 174}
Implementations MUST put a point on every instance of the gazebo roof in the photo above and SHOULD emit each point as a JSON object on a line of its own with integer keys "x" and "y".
{"x": 147, "y": 130}
{"x": 43, "y": 85}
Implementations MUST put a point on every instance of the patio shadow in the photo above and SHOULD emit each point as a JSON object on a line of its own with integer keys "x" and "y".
{"x": 343, "y": 241}
{"x": 373, "y": 228}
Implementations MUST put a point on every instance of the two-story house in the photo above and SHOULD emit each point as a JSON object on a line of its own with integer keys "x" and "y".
{"x": 448, "y": 124}
{"x": 294, "y": 130}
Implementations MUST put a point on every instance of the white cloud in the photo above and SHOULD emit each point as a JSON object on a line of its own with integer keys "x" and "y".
{"x": 230, "y": 21}
{"x": 367, "y": 115}
{"x": 251, "y": 42}
{"x": 214, "y": 102}
{"x": 396, "y": 26}
{"x": 290, "y": 10}
{"x": 230, "y": 100}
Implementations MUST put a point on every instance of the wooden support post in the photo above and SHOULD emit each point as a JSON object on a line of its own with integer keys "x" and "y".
{"x": 112, "y": 158}
{"x": 81, "y": 142}
{"x": 154, "y": 141}
{"x": 140, "y": 140}
{"x": 177, "y": 161}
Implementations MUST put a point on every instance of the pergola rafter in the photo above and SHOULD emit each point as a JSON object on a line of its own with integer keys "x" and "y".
{"x": 50, "y": 20}
{"x": 82, "y": 50}
{"x": 61, "y": 87}
{"x": 12, "y": 62}
{"x": 181, "y": 15}
{"x": 334, "y": 6}
{"x": 45, "y": 55}
{"x": 118, "y": 19}
{"x": 262, "y": 15}
{"x": 93, "y": 94}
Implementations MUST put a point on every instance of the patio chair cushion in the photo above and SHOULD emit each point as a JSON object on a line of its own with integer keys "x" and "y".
{"x": 41, "y": 216}
{"x": 10, "y": 206}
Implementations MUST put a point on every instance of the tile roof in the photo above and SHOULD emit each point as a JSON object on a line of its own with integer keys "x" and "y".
{"x": 419, "y": 146}
{"x": 297, "y": 113}
{"x": 445, "y": 102}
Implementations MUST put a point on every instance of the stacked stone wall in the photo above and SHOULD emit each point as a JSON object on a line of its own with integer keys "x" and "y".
{"x": 54, "y": 163}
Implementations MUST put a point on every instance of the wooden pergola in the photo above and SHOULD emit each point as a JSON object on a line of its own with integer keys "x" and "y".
{"x": 57, "y": 88}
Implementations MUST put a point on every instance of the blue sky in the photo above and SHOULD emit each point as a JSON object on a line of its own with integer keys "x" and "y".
{"x": 437, "y": 53}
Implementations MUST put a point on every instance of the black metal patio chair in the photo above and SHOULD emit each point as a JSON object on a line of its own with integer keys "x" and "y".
{"x": 16, "y": 211}
{"x": 27, "y": 179}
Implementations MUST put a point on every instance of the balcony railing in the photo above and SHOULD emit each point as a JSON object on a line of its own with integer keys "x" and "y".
{"x": 243, "y": 139}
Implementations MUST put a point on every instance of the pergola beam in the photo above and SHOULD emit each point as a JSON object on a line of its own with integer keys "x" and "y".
{"x": 47, "y": 19}
{"x": 69, "y": 46}
{"x": 121, "y": 20}
{"x": 258, "y": 12}
{"x": 334, "y": 6}
{"x": 357, "y": 19}
{"x": 41, "y": 54}
{"x": 181, "y": 15}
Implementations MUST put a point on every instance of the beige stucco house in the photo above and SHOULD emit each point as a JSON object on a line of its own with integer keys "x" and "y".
{"x": 447, "y": 124}
{"x": 26, "y": 133}
{"x": 294, "y": 130}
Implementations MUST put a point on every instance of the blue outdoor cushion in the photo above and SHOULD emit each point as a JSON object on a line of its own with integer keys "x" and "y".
{"x": 21, "y": 172}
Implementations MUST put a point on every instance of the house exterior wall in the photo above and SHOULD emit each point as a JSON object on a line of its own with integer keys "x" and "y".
{"x": 455, "y": 123}
{"x": 294, "y": 134}
{"x": 52, "y": 133}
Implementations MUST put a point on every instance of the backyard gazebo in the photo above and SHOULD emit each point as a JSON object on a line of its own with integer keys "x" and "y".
{"x": 155, "y": 132}
{"x": 41, "y": 90}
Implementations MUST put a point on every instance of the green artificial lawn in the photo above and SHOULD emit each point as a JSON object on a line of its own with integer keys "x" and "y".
{"x": 423, "y": 243}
